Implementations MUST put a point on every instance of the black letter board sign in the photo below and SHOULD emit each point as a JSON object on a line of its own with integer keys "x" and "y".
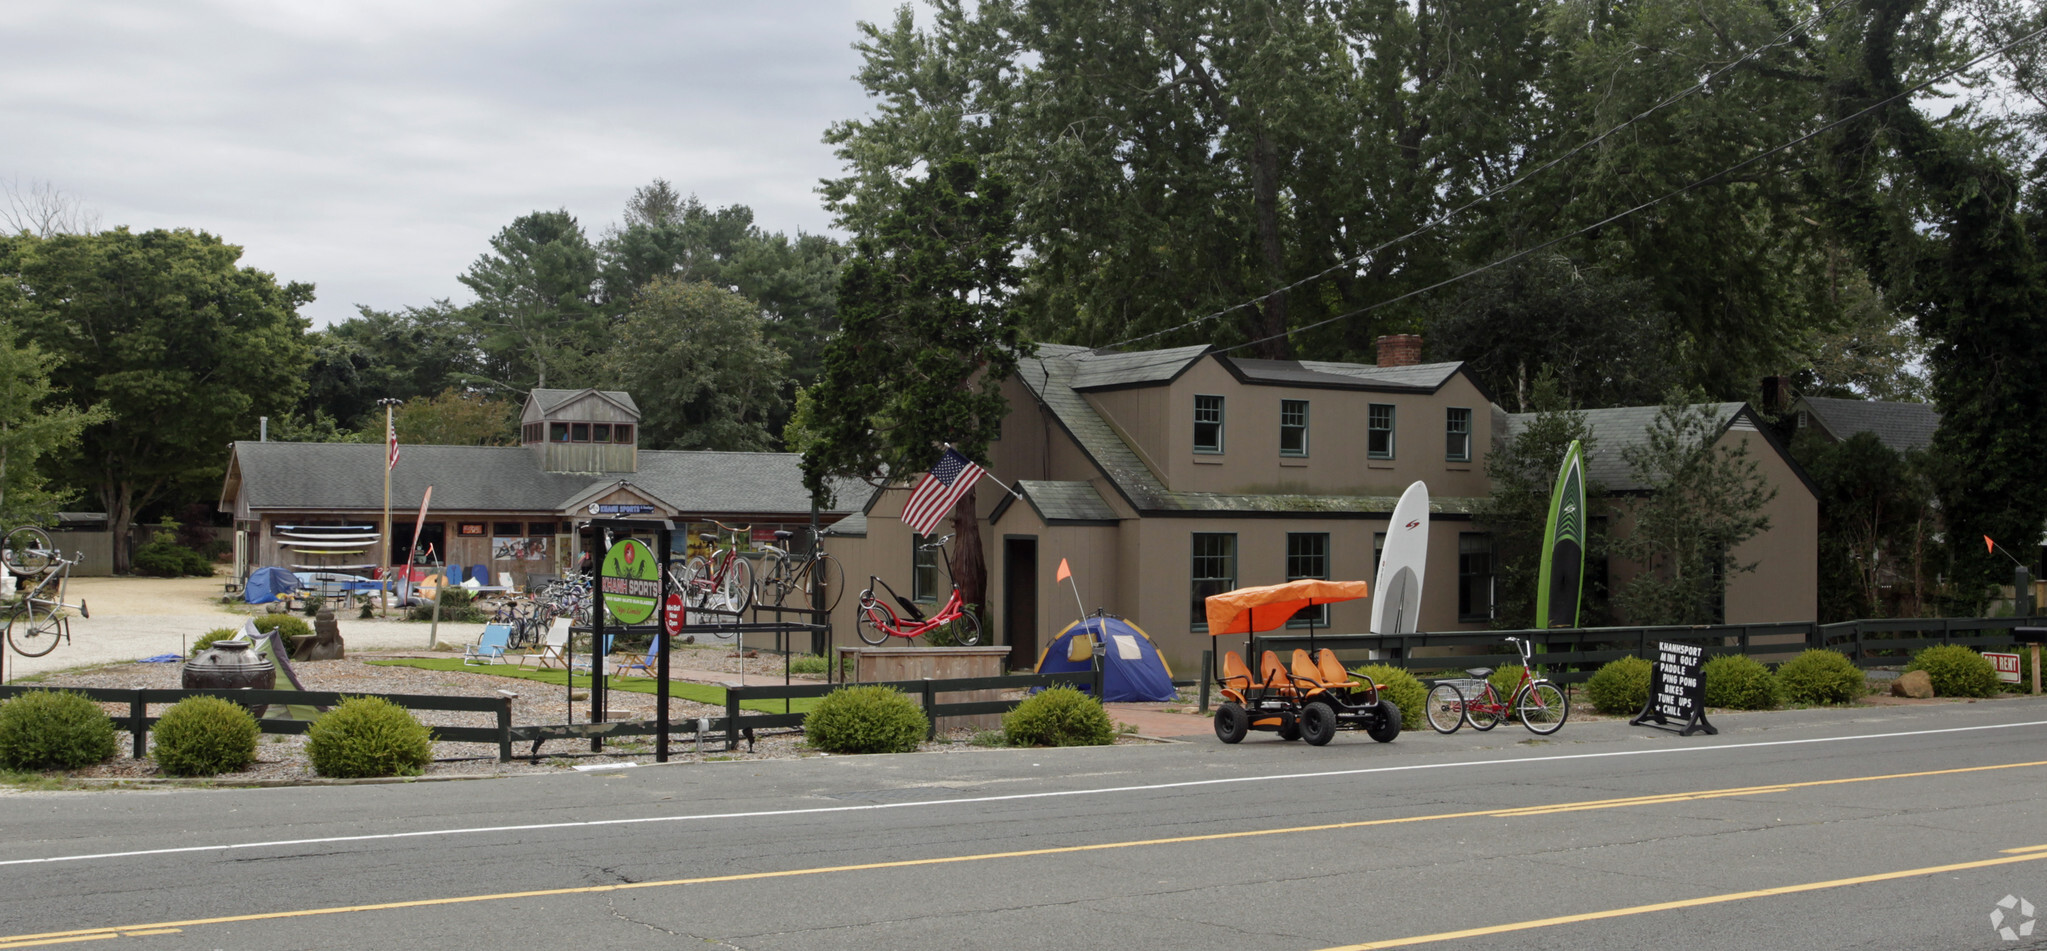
{"x": 1677, "y": 692}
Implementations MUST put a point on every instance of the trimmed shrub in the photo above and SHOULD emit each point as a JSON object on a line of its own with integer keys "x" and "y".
{"x": 1399, "y": 686}
{"x": 286, "y": 626}
{"x": 1621, "y": 687}
{"x": 1956, "y": 671}
{"x": 1821, "y": 676}
{"x": 163, "y": 557}
{"x": 51, "y": 729}
{"x": 1059, "y": 716}
{"x": 204, "y": 736}
{"x": 1739, "y": 682}
{"x": 870, "y": 719}
{"x": 211, "y": 637}
{"x": 369, "y": 736}
{"x": 456, "y": 605}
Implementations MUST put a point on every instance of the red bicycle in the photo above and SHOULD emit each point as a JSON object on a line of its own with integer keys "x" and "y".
{"x": 1541, "y": 705}
{"x": 723, "y": 581}
{"x": 952, "y": 625}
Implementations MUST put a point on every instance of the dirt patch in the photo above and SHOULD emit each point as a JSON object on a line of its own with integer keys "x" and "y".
{"x": 124, "y": 597}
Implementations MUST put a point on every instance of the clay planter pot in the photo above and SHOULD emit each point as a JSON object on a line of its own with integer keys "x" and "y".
{"x": 229, "y": 665}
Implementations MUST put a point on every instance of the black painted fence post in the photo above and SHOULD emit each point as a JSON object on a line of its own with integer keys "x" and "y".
{"x": 138, "y": 717}
{"x": 930, "y": 711}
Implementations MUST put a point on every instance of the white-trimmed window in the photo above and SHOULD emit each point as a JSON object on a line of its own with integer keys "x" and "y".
{"x": 1208, "y": 424}
{"x": 1379, "y": 431}
{"x": 1457, "y": 434}
{"x": 1293, "y": 428}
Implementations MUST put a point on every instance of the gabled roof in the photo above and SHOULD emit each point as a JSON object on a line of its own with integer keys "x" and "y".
{"x": 1901, "y": 426}
{"x": 1051, "y": 375}
{"x": 1059, "y": 503}
{"x": 550, "y": 400}
{"x": 296, "y": 476}
{"x": 1618, "y": 429}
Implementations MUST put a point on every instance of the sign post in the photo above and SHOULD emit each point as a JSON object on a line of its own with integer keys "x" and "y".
{"x": 1677, "y": 692}
{"x": 2033, "y": 636}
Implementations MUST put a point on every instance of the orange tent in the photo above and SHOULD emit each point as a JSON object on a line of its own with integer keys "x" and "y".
{"x": 1250, "y": 610}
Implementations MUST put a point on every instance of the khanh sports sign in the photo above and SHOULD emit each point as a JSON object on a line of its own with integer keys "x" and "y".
{"x": 631, "y": 581}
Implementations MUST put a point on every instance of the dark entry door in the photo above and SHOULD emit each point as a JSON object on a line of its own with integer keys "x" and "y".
{"x": 432, "y": 536}
{"x": 1020, "y": 600}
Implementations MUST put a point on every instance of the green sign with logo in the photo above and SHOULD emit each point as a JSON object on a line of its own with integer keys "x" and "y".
{"x": 631, "y": 581}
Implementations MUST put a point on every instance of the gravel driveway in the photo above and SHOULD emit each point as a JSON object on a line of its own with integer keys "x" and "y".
{"x": 134, "y": 618}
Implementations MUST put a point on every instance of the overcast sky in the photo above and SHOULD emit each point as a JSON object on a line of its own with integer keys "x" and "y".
{"x": 373, "y": 148}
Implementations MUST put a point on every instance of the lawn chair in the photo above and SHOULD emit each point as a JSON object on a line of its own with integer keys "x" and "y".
{"x": 490, "y": 648}
{"x": 644, "y": 665}
{"x": 553, "y": 650}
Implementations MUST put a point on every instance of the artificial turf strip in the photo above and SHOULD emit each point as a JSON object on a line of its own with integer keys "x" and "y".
{"x": 679, "y": 689}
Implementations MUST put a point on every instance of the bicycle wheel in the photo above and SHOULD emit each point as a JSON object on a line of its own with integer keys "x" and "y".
{"x": 1542, "y": 707}
{"x": 696, "y": 579}
{"x": 964, "y": 631}
{"x": 737, "y": 588}
{"x": 778, "y": 578}
{"x": 1483, "y": 711}
{"x": 1446, "y": 708}
{"x": 830, "y": 578}
{"x": 28, "y": 551}
{"x": 34, "y": 627}
{"x": 874, "y": 621}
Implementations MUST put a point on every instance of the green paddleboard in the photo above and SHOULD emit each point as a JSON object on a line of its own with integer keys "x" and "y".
{"x": 1560, "y": 588}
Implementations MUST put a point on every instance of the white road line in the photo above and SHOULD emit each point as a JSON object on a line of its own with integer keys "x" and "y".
{"x": 976, "y": 800}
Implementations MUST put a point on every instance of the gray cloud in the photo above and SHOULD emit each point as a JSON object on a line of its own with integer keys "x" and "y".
{"x": 372, "y": 148}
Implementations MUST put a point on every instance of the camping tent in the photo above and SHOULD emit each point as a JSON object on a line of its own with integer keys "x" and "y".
{"x": 266, "y": 584}
{"x": 1131, "y": 666}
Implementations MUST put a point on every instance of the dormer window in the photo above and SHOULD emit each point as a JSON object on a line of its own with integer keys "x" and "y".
{"x": 1208, "y": 424}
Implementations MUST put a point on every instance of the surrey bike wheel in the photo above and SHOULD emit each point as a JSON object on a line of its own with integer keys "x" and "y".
{"x": 1445, "y": 708}
{"x": 1542, "y": 707}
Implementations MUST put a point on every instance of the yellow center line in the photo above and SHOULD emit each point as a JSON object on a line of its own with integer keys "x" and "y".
{"x": 92, "y": 934}
{"x": 2033, "y": 855}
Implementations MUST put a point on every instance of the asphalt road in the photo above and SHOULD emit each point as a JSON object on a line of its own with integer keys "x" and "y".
{"x": 1887, "y": 828}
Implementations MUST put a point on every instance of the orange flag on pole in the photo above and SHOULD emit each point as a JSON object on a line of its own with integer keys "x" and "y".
{"x": 1988, "y": 545}
{"x": 1064, "y": 571}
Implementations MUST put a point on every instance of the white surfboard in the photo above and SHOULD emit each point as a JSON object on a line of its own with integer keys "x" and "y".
{"x": 1397, "y": 593}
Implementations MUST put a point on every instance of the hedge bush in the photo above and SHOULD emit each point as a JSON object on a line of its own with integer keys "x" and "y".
{"x": 163, "y": 557}
{"x": 1740, "y": 682}
{"x": 1956, "y": 671}
{"x": 456, "y": 605}
{"x": 1821, "y": 676}
{"x": 1059, "y": 716}
{"x": 369, "y": 736}
{"x": 1506, "y": 680}
{"x": 51, "y": 729}
{"x": 212, "y": 637}
{"x": 204, "y": 736}
{"x": 869, "y": 719}
{"x": 1621, "y": 687}
{"x": 1399, "y": 686}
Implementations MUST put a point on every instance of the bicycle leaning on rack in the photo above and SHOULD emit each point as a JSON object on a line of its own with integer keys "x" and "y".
{"x": 1540, "y": 704}
{"x": 877, "y": 622}
{"x": 784, "y": 572}
{"x": 37, "y": 620}
{"x": 723, "y": 581}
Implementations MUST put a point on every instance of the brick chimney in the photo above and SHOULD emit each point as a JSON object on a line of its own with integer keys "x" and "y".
{"x": 1400, "y": 350}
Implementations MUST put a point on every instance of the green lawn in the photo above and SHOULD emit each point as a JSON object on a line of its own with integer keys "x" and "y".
{"x": 681, "y": 690}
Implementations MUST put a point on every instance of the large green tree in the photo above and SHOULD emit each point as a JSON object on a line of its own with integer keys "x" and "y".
{"x": 1877, "y": 526}
{"x": 182, "y": 346}
{"x": 1949, "y": 229}
{"x": 929, "y": 337}
{"x": 33, "y": 426}
{"x": 535, "y": 315}
{"x": 698, "y": 362}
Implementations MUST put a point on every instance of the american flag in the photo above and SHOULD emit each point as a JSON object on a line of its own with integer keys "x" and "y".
{"x": 939, "y": 490}
{"x": 391, "y": 437}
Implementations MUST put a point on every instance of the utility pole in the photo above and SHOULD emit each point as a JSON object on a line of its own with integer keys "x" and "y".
{"x": 391, "y": 436}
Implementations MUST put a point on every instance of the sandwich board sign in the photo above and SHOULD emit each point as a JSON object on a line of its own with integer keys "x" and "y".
{"x": 1677, "y": 691}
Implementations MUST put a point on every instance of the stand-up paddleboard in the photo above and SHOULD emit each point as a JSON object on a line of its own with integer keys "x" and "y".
{"x": 1397, "y": 594}
{"x": 1559, "y": 589}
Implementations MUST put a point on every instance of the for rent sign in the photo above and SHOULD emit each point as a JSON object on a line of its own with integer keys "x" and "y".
{"x": 2007, "y": 666}
{"x": 631, "y": 581}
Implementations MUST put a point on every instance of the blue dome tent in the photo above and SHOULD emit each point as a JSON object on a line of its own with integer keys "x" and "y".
{"x": 1132, "y": 669}
{"x": 265, "y": 584}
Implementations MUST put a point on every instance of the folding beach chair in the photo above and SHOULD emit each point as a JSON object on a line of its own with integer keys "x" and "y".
{"x": 644, "y": 665}
{"x": 553, "y": 650}
{"x": 490, "y": 648}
